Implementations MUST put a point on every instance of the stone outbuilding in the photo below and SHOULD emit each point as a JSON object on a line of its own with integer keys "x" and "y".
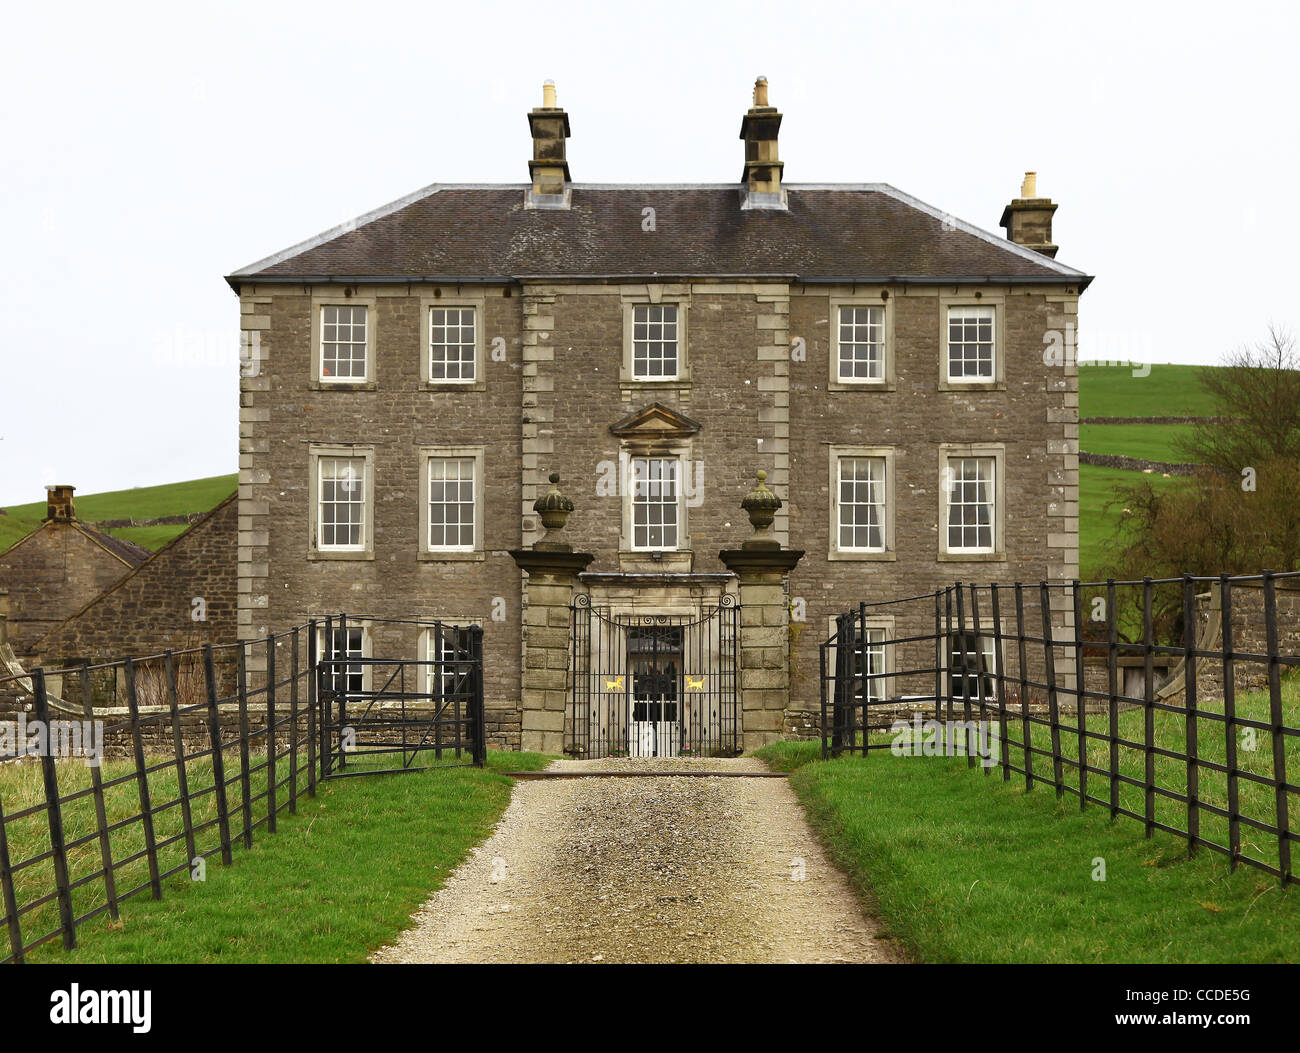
{"x": 182, "y": 596}
{"x": 57, "y": 569}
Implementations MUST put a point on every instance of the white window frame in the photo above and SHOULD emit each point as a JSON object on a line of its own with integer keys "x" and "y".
{"x": 318, "y": 453}
{"x": 428, "y": 304}
{"x": 656, "y": 297}
{"x": 995, "y": 452}
{"x": 877, "y": 299}
{"x": 884, "y": 454}
{"x": 319, "y": 379}
{"x": 981, "y": 299}
{"x": 476, "y": 454}
{"x": 628, "y": 459}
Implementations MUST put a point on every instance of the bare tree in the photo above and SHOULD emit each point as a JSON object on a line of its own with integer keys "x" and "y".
{"x": 1257, "y": 399}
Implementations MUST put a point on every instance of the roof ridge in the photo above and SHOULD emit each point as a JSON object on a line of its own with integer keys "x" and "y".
{"x": 1005, "y": 246}
{"x": 102, "y": 539}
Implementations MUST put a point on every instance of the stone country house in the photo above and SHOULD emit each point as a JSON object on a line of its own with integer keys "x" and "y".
{"x": 413, "y": 378}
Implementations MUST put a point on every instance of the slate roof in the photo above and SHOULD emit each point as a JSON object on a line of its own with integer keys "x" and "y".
{"x": 127, "y": 551}
{"x": 860, "y": 232}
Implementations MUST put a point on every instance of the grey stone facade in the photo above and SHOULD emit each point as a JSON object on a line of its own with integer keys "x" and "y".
{"x": 756, "y": 390}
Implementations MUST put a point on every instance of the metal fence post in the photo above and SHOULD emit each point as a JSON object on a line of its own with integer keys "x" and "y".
{"x": 1189, "y": 710}
{"x": 972, "y": 736}
{"x": 1230, "y": 722}
{"x": 1026, "y": 724}
{"x": 1053, "y": 706}
{"x": 294, "y": 657}
{"x": 218, "y": 759}
{"x": 964, "y": 643}
{"x": 101, "y": 813}
{"x": 479, "y": 703}
{"x": 54, "y": 814}
{"x": 821, "y": 655}
{"x": 245, "y": 780}
{"x": 1112, "y": 692}
{"x": 938, "y": 652}
{"x": 178, "y": 751}
{"x": 142, "y": 779}
{"x": 1080, "y": 694}
{"x": 1000, "y": 664}
{"x": 1149, "y": 714}
{"x": 313, "y": 701}
{"x": 270, "y": 734}
{"x": 1279, "y": 739}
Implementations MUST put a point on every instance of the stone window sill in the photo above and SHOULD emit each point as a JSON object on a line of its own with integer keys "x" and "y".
{"x": 435, "y": 556}
{"x": 320, "y": 385}
{"x": 317, "y": 554}
{"x": 452, "y": 386}
{"x": 862, "y": 557}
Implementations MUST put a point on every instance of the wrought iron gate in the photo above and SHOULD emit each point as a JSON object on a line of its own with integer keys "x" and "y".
{"x": 388, "y": 715}
{"x": 654, "y": 685}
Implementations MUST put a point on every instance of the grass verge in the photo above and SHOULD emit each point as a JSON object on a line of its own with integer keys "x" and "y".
{"x": 966, "y": 868}
{"x": 337, "y": 880}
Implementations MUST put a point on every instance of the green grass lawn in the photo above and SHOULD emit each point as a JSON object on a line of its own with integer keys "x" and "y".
{"x": 1254, "y": 754}
{"x": 337, "y": 880}
{"x": 966, "y": 868}
{"x": 145, "y": 502}
{"x": 1097, "y": 521}
{"x": 1167, "y": 391}
{"x": 1150, "y": 442}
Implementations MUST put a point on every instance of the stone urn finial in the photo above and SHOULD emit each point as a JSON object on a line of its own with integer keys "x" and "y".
{"x": 761, "y": 505}
{"x": 553, "y": 507}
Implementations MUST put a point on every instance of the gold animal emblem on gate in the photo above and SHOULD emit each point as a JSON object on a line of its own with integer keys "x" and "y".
{"x": 695, "y": 683}
{"x": 614, "y": 685}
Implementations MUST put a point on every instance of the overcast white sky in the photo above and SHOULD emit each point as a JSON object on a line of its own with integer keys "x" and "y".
{"x": 148, "y": 150}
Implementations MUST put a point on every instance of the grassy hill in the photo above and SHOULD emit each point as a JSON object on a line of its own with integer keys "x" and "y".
{"x": 1110, "y": 391}
{"x": 144, "y": 502}
{"x": 1167, "y": 391}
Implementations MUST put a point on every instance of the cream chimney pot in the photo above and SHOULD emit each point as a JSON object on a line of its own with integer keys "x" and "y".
{"x": 548, "y": 95}
{"x": 1029, "y": 188}
{"x": 760, "y": 91}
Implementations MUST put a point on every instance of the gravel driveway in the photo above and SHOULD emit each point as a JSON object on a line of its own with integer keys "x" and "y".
{"x": 660, "y": 869}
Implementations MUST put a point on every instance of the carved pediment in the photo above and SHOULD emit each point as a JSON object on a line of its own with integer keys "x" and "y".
{"x": 655, "y": 422}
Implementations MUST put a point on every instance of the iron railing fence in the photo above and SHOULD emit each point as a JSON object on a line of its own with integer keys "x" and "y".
{"x": 1168, "y": 701}
{"x": 216, "y": 742}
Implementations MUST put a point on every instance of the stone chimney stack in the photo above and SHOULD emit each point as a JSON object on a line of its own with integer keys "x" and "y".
{"x": 1028, "y": 219}
{"x": 762, "y": 175}
{"x": 58, "y": 504}
{"x": 549, "y": 169}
